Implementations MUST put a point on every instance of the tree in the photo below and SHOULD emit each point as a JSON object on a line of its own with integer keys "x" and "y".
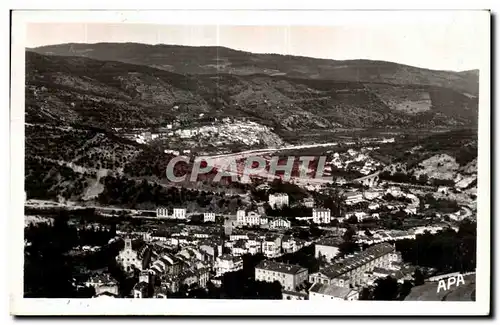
{"x": 386, "y": 289}
{"x": 418, "y": 277}
{"x": 349, "y": 234}
{"x": 405, "y": 289}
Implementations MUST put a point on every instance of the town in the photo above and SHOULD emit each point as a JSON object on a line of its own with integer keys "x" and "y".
{"x": 329, "y": 244}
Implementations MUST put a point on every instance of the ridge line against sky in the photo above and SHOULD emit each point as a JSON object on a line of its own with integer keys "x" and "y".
{"x": 434, "y": 47}
{"x": 264, "y": 53}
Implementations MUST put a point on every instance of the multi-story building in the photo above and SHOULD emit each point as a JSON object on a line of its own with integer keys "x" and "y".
{"x": 320, "y": 291}
{"x": 327, "y": 248}
{"x": 352, "y": 269}
{"x": 228, "y": 263}
{"x": 321, "y": 215}
{"x": 103, "y": 283}
{"x": 179, "y": 213}
{"x": 289, "y": 276}
{"x": 308, "y": 202}
{"x": 248, "y": 219}
{"x": 278, "y": 200}
{"x": 162, "y": 212}
{"x": 353, "y": 197}
{"x": 252, "y": 219}
{"x": 271, "y": 246}
{"x": 208, "y": 217}
{"x": 240, "y": 217}
{"x": 167, "y": 264}
{"x": 291, "y": 245}
{"x": 212, "y": 250}
{"x": 293, "y": 295}
{"x": 279, "y": 223}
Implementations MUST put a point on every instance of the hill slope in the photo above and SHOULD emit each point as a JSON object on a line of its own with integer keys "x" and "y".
{"x": 115, "y": 94}
{"x": 211, "y": 60}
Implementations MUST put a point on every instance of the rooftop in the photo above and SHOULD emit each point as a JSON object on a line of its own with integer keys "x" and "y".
{"x": 357, "y": 260}
{"x": 280, "y": 267}
{"x": 330, "y": 290}
{"x": 332, "y": 242}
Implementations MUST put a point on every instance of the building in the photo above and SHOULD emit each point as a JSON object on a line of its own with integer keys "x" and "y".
{"x": 228, "y": 263}
{"x": 351, "y": 270}
{"x": 129, "y": 258}
{"x": 278, "y": 200}
{"x": 291, "y": 245}
{"x": 394, "y": 191}
{"x": 162, "y": 212}
{"x": 308, "y": 202}
{"x": 179, "y": 213}
{"x": 103, "y": 284}
{"x": 211, "y": 250}
{"x": 280, "y": 223}
{"x": 289, "y": 276}
{"x": 141, "y": 290}
{"x": 209, "y": 217}
{"x": 371, "y": 195}
{"x": 328, "y": 247}
{"x": 293, "y": 295}
{"x": 321, "y": 216}
{"x": 353, "y": 197}
{"x": 271, "y": 246}
{"x": 240, "y": 217}
{"x": 167, "y": 264}
{"x": 248, "y": 219}
{"x": 320, "y": 291}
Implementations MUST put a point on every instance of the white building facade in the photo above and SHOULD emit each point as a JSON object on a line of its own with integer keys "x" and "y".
{"x": 321, "y": 216}
{"x": 228, "y": 263}
{"x": 179, "y": 213}
{"x": 278, "y": 200}
{"x": 279, "y": 223}
{"x": 208, "y": 217}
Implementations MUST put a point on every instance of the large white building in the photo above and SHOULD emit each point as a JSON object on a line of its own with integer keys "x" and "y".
{"x": 249, "y": 219}
{"x": 279, "y": 223}
{"x": 321, "y": 215}
{"x": 162, "y": 212}
{"x": 328, "y": 248}
{"x": 320, "y": 291}
{"x": 209, "y": 217}
{"x": 351, "y": 270}
{"x": 288, "y": 275}
{"x": 228, "y": 263}
{"x": 179, "y": 213}
{"x": 278, "y": 200}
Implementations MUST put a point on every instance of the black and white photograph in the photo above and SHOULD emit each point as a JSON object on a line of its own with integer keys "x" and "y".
{"x": 168, "y": 162}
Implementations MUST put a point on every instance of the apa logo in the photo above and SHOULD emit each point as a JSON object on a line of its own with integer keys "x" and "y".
{"x": 453, "y": 280}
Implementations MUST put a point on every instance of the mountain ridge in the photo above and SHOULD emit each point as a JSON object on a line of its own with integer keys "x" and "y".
{"x": 212, "y": 59}
{"x": 112, "y": 91}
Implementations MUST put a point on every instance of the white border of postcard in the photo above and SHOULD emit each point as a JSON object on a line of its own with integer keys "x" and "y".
{"x": 22, "y": 306}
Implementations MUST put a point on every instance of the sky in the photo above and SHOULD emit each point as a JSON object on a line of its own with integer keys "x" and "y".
{"x": 452, "y": 45}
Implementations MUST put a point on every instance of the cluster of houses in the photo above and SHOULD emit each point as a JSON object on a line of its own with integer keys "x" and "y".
{"x": 355, "y": 160}
{"x": 191, "y": 257}
{"x": 163, "y": 270}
